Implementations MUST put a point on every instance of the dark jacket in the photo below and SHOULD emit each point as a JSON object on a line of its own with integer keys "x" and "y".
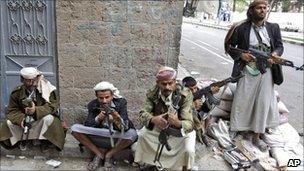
{"x": 240, "y": 39}
{"x": 120, "y": 107}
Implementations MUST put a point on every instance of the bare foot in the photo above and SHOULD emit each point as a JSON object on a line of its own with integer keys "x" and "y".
{"x": 260, "y": 144}
{"x": 93, "y": 165}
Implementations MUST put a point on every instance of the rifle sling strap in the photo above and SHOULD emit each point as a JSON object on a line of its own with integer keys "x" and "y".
{"x": 260, "y": 65}
{"x": 258, "y": 36}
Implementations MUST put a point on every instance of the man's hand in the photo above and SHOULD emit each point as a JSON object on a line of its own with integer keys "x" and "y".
{"x": 270, "y": 62}
{"x": 101, "y": 116}
{"x": 30, "y": 110}
{"x": 247, "y": 57}
{"x": 115, "y": 115}
{"x": 22, "y": 123}
{"x": 173, "y": 120}
{"x": 215, "y": 89}
{"x": 198, "y": 104}
{"x": 159, "y": 121}
{"x": 111, "y": 119}
{"x": 272, "y": 58}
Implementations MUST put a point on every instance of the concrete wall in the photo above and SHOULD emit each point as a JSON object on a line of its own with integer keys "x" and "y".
{"x": 123, "y": 42}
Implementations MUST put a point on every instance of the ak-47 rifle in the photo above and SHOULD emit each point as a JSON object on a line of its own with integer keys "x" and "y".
{"x": 107, "y": 111}
{"x": 27, "y": 123}
{"x": 265, "y": 55}
{"x": 207, "y": 90}
{"x": 169, "y": 130}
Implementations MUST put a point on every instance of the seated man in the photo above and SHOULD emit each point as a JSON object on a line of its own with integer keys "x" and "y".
{"x": 201, "y": 107}
{"x": 107, "y": 129}
{"x": 157, "y": 116}
{"x": 32, "y": 113}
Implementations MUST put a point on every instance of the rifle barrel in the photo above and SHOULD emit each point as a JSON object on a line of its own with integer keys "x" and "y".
{"x": 206, "y": 90}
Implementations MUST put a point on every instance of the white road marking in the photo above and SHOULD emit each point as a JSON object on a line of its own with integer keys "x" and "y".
{"x": 230, "y": 61}
{"x": 186, "y": 36}
{"x": 209, "y": 45}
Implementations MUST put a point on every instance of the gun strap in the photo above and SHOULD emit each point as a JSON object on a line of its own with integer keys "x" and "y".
{"x": 175, "y": 101}
{"x": 111, "y": 133}
{"x": 258, "y": 36}
{"x": 159, "y": 151}
{"x": 259, "y": 64}
{"x": 23, "y": 142}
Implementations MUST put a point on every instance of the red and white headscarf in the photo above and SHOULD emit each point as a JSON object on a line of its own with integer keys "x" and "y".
{"x": 166, "y": 73}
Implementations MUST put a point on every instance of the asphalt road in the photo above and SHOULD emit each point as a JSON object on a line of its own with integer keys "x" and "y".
{"x": 202, "y": 51}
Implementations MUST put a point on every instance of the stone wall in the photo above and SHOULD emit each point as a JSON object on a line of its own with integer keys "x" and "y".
{"x": 123, "y": 42}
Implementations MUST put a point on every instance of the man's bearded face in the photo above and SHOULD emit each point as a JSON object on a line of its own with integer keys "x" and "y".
{"x": 259, "y": 12}
{"x": 104, "y": 97}
{"x": 167, "y": 86}
{"x": 30, "y": 84}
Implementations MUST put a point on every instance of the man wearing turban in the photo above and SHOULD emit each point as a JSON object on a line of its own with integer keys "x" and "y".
{"x": 107, "y": 129}
{"x": 157, "y": 115}
{"x": 254, "y": 106}
{"x": 33, "y": 103}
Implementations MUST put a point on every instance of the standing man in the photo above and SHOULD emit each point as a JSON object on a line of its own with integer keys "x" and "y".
{"x": 254, "y": 106}
{"x": 157, "y": 116}
{"x": 107, "y": 129}
{"x": 32, "y": 112}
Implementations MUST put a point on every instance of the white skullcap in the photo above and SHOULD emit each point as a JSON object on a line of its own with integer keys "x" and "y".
{"x": 29, "y": 72}
{"x": 104, "y": 85}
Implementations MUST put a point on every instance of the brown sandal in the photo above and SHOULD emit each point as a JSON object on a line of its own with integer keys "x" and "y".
{"x": 108, "y": 163}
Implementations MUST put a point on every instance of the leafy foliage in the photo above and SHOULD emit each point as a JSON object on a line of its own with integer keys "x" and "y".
{"x": 240, "y": 5}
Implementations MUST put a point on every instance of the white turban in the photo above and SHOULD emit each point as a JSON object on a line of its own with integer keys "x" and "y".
{"x": 104, "y": 85}
{"x": 44, "y": 86}
{"x": 29, "y": 72}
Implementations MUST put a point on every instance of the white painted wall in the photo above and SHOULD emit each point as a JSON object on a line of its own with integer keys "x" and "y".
{"x": 296, "y": 19}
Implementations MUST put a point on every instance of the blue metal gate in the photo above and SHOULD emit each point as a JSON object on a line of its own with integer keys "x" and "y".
{"x": 27, "y": 38}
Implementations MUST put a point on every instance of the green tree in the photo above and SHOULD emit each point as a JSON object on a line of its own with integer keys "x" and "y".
{"x": 299, "y": 5}
{"x": 286, "y": 5}
{"x": 240, "y": 5}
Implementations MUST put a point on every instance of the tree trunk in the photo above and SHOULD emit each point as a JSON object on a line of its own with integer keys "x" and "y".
{"x": 234, "y": 4}
{"x": 271, "y": 5}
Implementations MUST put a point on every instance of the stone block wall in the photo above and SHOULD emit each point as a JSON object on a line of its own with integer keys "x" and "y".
{"x": 123, "y": 42}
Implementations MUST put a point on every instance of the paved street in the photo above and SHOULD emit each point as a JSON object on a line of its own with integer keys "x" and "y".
{"x": 202, "y": 50}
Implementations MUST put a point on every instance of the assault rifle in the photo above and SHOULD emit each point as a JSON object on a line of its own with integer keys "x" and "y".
{"x": 27, "y": 123}
{"x": 107, "y": 110}
{"x": 207, "y": 90}
{"x": 265, "y": 55}
{"x": 165, "y": 133}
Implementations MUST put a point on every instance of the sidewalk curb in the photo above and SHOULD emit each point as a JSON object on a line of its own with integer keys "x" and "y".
{"x": 70, "y": 150}
{"x": 225, "y": 28}
{"x": 182, "y": 72}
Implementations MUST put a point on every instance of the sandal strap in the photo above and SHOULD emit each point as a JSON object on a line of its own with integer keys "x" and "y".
{"x": 108, "y": 163}
{"x": 93, "y": 165}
